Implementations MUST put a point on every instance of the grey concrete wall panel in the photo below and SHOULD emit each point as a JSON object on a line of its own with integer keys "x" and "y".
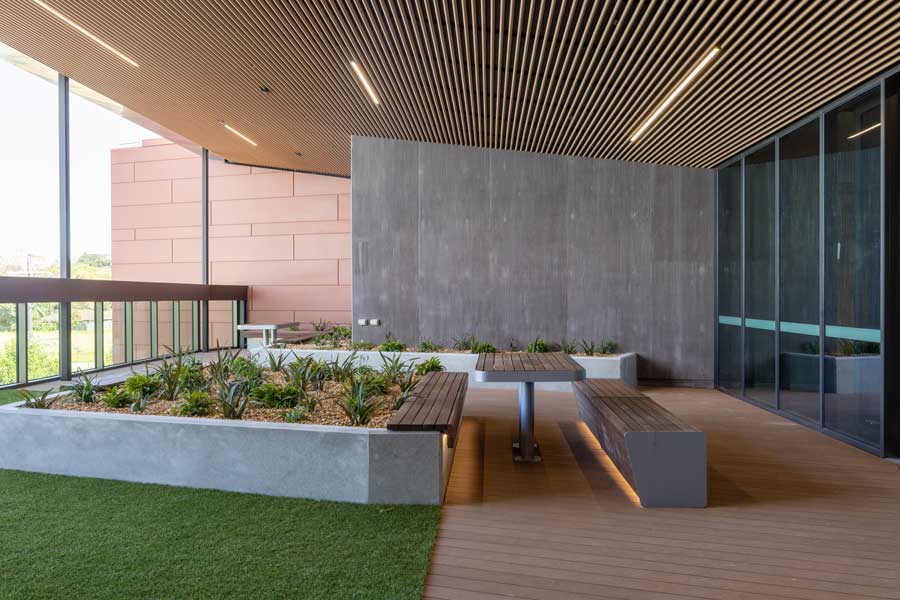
{"x": 385, "y": 205}
{"x": 515, "y": 245}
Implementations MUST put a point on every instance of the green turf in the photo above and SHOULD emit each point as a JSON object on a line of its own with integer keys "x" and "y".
{"x": 69, "y": 537}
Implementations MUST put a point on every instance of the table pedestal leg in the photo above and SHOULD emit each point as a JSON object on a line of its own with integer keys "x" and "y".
{"x": 526, "y": 449}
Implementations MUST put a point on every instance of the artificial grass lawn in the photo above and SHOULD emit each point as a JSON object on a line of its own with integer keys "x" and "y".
{"x": 71, "y": 537}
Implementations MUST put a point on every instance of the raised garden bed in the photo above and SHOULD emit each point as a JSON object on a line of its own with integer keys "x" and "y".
{"x": 138, "y": 437}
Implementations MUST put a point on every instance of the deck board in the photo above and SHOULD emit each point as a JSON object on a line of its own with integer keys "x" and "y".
{"x": 793, "y": 513}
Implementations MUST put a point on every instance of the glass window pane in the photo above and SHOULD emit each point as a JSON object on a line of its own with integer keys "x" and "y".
{"x": 8, "y": 373}
{"x": 113, "y": 333}
{"x": 853, "y": 372}
{"x": 798, "y": 180}
{"x": 759, "y": 202}
{"x": 165, "y": 333}
{"x": 83, "y": 345}
{"x": 141, "y": 330}
{"x": 729, "y": 279}
{"x": 29, "y": 171}
{"x": 43, "y": 340}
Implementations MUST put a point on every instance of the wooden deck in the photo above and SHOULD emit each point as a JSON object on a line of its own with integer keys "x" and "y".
{"x": 793, "y": 513}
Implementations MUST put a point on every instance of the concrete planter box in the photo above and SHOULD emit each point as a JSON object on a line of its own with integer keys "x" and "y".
{"x": 349, "y": 464}
{"x": 621, "y": 366}
{"x": 843, "y": 374}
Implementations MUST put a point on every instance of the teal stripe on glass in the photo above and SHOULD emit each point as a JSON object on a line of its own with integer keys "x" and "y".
{"x": 761, "y": 324}
{"x": 800, "y": 328}
{"x": 726, "y": 320}
{"x": 853, "y": 333}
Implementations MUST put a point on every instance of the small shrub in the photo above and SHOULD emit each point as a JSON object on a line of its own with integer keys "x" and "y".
{"x": 588, "y": 347}
{"x": 243, "y": 367}
{"x": 141, "y": 386}
{"x": 340, "y": 369}
{"x": 141, "y": 404}
{"x": 362, "y": 345}
{"x": 275, "y": 396}
{"x": 608, "y": 347}
{"x": 432, "y": 365}
{"x": 323, "y": 340}
{"x": 168, "y": 374}
{"x": 568, "y": 346}
{"x": 407, "y": 384}
{"x": 341, "y": 333}
{"x": 465, "y": 343}
{"x": 220, "y": 370}
{"x": 538, "y": 345}
{"x": 294, "y": 415}
{"x": 320, "y": 325}
{"x": 194, "y": 404}
{"x": 428, "y": 346}
{"x": 393, "y": 367}
{"x": 116, "y": 397}
{"x": 392, "y": 344}
{"x": 233, "y": 400}
{"x": 83, "y": 389}
{"x": 33, "y": 399}
{"x": 483, "y": 348}
{"x": 357, "y": 402}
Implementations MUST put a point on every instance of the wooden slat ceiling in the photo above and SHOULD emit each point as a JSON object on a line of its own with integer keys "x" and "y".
{"x": 553, "y": 76}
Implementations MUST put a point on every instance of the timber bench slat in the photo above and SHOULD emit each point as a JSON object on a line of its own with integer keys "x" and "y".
{"x": 661, "y": 456}
{"x": 436, "y": 405}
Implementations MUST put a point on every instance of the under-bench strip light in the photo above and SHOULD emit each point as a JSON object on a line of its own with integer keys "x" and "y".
{"x": 237, "y": 133}
{"x": 862, "y": 131}
{"x": 82, "y": 30}
{"x": 674, "y": 94}
{"x": 365, "y": 82}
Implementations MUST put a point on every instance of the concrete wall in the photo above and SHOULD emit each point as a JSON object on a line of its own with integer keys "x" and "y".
{"x": 508, "y": 246}
{"x": 287, "y": 235}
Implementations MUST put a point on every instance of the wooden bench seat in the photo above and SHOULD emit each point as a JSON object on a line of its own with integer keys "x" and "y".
{"x": 436, "y": 405}
{"x": 662, "y": 457}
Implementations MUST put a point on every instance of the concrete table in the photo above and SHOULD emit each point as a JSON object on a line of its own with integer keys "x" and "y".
{"x": 526, "y": 369}
{"x": 269, "y": 330}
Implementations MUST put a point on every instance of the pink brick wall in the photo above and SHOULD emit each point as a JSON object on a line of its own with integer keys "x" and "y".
{"x": 287, "y": 235}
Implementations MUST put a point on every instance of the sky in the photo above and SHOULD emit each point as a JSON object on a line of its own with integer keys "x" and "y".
{"x": 29, "y": 178}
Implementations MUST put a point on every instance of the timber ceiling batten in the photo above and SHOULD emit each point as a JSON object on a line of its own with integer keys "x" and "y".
{"x": 552, "y": 76}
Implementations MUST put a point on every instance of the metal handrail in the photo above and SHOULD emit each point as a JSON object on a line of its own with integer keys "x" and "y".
{"x": 16, "y": 290}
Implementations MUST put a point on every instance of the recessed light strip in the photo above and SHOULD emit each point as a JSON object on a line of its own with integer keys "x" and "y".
{"x": 862, "y": 131}
{"x": 674, "y": 94}
{"x": 237, "y": 133}
{"x": 364, "y": 80}
{"x": 83, "y": 31}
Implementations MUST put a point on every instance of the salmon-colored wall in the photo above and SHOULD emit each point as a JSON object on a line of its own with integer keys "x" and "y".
{"x": 287, "y": 235}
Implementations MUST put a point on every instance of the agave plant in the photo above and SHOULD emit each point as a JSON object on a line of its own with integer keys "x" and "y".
{"x": 83, "y": 389}
{"x": 357, "y": 402}
{"x": 342, "y": 369}
{"x": 407, "y": 384}
{"x": 393, "y": 367}
{"x": 568, "y": 346}
{"x": 588, "y": 348}
{"x": 193, "y": 377}
{"x": 233, "y": 399}
{"x": 276, "y": 362}
{"x": 220, "y": 370}
{"x": 169, "y": 376}
{"x": 276, "y": 396}
{"x": 33, "y": 399}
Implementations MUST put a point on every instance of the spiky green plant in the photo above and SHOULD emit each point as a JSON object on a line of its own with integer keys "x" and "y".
{"x": 320, "y": 325}
{"x": 220, "y": 370}
{"x": 538, "y": 345}
{"x": 276, "y": 396}
{"x": 340, "y": 369}
{"x": 196, "y": 403}
{"x": 393, "y": 367}
{"x": 362, "y": 345}
{"x": 84, "y": 389}
{"x": 392, "y": 345}
{"x": 357, "y": 402}
{"x": 233, "y": 400}
{"x": 341, "y": 333}
{"x": 608, "y": 347}
{"x": 482, "y": 347}
{"x": 142, "y": 385}
{"x": 588, "y": 347}
{"x": 116, "y": 397}
{"x": 568, "y": 346}
{"x": 431, "y": 365}
{"x": 33, "y": 399}
{"x": 294, "y": 415}
{"x": 276, "y": 362}
{"x": 428, "y": 346}
{"x": 464, "y": 343}
{"x": 407, "y": 384}
{"x": 193, "y": 377}
{"x": 168, "y": 374}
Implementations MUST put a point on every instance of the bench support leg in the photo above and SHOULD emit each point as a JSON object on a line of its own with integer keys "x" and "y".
{"x": 526, "y": 449}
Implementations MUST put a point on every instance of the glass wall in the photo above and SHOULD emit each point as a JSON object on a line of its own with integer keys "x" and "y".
{"x": 853, "y": 374}
{"x": 804, "y": 252}
{"x": 729, "y": 278}
{"x": 798, "y": 185}
{"x": 759, "y": 210}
